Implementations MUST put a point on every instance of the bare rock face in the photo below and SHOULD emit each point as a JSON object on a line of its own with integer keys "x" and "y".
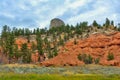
{"x": 56, "y": 22}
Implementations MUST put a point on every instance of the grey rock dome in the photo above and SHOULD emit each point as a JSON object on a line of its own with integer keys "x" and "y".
{"x": 56, "y": 22}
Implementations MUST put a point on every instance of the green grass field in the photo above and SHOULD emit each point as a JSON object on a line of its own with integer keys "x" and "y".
{"x": 13, "y": 76}
{"x": 85, "y": 72}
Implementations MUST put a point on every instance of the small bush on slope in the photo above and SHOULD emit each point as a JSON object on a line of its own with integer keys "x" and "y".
{"x": 87, "y": 59}
{"x": 110, "y": 56}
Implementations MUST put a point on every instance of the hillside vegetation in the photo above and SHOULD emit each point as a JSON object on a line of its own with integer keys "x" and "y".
{"x": 31, "y": 46}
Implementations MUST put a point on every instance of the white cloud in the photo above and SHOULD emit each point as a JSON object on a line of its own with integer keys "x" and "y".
{"x": 40, "y": 12}
{"x": 60, "y": 10}
{"x": 78, "y": 3}
{"x": 101, "y": 10}
{"x": 87, "y": 15}
{"x": 36, "y": 2}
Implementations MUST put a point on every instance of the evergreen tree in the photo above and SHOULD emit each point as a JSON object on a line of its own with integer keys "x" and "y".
{"x": 66, "y": 37}
{"x": 11, "y": 44}
{"x": 39, "y": 44}
{"x": 95, "y": 23}
{"x": 7, "y": 40}
{"x": 55, "y": 52}
{"x": 16, "y": 52}
{"x": 25, "y": 53}
{"x": 118, "y": 26}
{"x": 112, "y": 22}
{"x": 34, "y": 46}
{"x": 61, "y": 41}
{"x": 48, "y": 49}
{"x": 107, "y": 23}
{"x": 5, "y": 31}
{"x": 83, "y": 26}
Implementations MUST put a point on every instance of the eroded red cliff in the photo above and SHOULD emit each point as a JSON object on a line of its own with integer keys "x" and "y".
{"x": 97, "y": 45}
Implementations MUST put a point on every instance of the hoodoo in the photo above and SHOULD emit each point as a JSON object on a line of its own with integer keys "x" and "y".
{"x": 56, "y": 22}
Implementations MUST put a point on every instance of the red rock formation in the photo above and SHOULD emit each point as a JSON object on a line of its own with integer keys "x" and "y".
{"x": 20, "y": 41}
{"x": 97, "y": 45}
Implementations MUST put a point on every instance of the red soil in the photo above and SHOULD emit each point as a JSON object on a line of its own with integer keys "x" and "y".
{"x": 97, "y": 45}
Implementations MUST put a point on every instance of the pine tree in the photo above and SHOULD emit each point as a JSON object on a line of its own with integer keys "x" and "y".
{"x": 55, "y": 51}
{"x": 61, "y": 41}
{"x": 11, "y": 41}
{"x": 33, "y": 47}
{"x": 39, "y": 44}
{"x": 107, "y": 23}
{"x": 8, "y": 42}
{"x": 95, "y": 23}
{"x": 112, "y": 22}
{"x": 25, "y": 53}
{"x": 16, "y": 52}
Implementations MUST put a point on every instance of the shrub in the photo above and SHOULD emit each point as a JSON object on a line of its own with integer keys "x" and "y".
{"x": 87, "y": 59}
{"x": 110, "y": 56}
{"x": 96, "y": 61}
{"x": 80, "y": 57}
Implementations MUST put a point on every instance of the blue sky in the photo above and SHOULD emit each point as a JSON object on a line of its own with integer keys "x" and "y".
{"x": 38, "y": 13}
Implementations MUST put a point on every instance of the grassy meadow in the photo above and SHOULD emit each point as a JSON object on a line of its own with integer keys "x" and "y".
{"x": 34, "y": 72}
{"x": 13, "y": 76}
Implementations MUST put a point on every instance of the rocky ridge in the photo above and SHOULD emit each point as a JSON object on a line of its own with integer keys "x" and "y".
{"x": 97, "y": 45}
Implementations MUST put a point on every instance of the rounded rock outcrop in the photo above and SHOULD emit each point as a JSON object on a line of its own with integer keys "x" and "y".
{"x": 56, "y": 22}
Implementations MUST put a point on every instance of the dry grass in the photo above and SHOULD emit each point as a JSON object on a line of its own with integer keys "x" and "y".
{"x": 20, "y": 65}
